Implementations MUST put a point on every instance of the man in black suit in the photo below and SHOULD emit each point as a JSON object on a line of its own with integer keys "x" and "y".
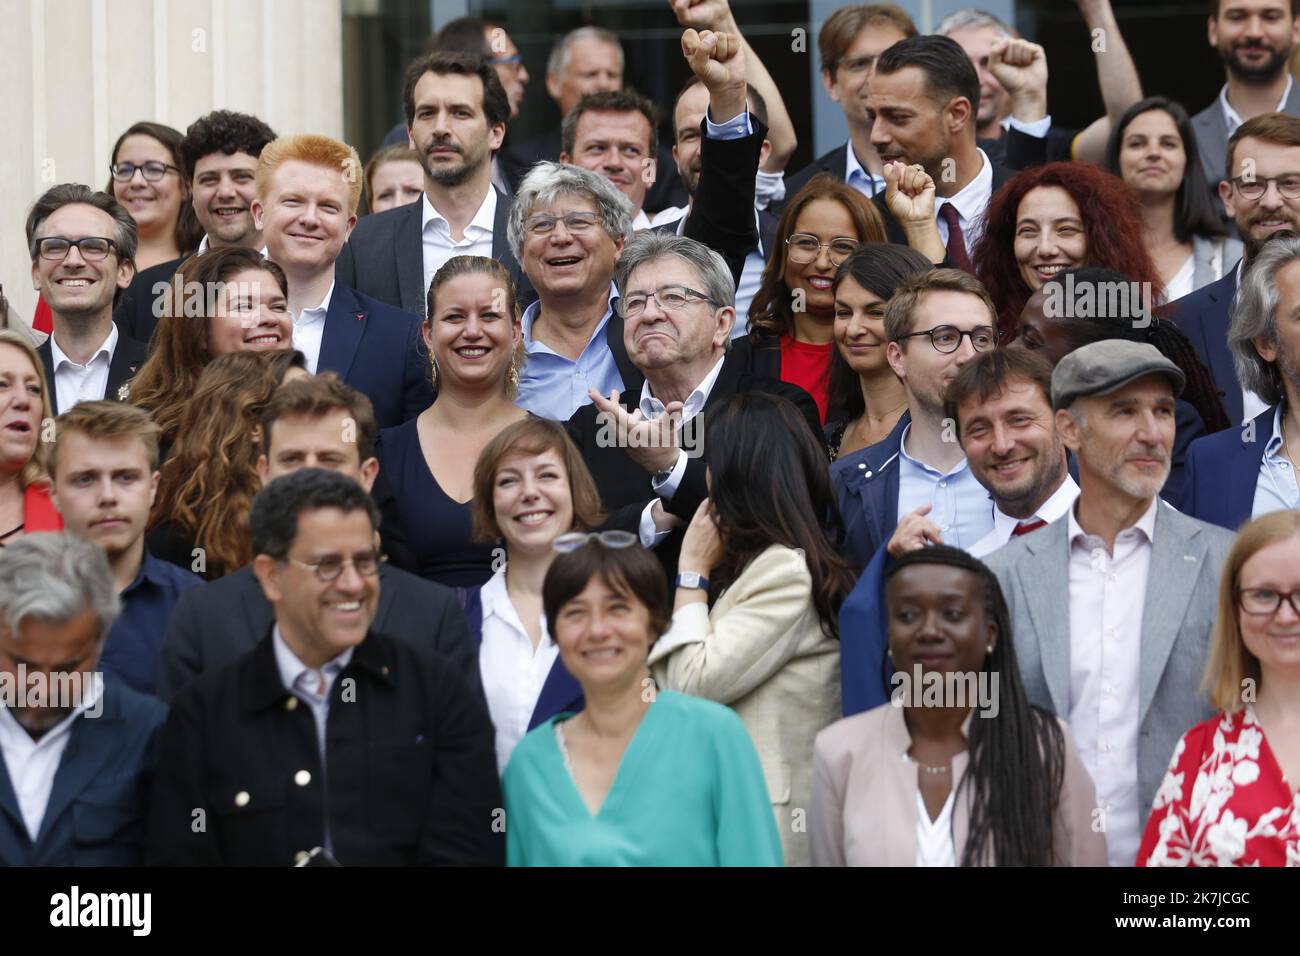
{"x": 329, "y": 737}
{"x": 83, "y": 256}
{"x": 218, "y": 158}
{"x": 308, "y": 188}
{"x": 456, "y": 113}
{"x": 643, "y": 448}
{"x": 1261, "y": 149}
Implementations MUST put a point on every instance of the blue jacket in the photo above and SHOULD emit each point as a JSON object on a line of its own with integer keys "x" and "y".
{"x": 97, "y": 808}
{"x": 864, "y": 668}
{"x": 1204, "y": 316}
{"x": 377, "y": 349}
{"x": 1221, "y": 471}
{"x": 866, "y": 483}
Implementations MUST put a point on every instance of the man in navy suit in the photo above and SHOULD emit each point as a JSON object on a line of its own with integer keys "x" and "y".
{"x": 1242, "y": 473}
{"x": 1261, "y": 150}
{"x": 77, "y": 760}
{"x": 308, "y": 188}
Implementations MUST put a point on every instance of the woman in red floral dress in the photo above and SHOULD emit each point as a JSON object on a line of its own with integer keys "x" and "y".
{"x": 1229, "y": 798}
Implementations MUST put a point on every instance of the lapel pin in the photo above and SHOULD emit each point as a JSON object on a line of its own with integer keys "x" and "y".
{"x": 361, "y": 316}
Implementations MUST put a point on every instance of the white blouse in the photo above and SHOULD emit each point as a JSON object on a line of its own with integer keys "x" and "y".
{"x": 934, "y": 837}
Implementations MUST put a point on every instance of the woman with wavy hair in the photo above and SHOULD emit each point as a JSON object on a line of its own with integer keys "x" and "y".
{"x": 206, "y": 492}
{"x": 1057, "y": 217}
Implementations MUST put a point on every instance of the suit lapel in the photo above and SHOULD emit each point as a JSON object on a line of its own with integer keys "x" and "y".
{"x": 1243, "y": 468}
{"x": 1044, "y": 575}
{"x": 127, "y": 359}
{"x": 1175, "y": 560}
{"x": 258, "y": 614}
{"x": 90, "y": 745}
{"x": 501, "y": 250}
{"x": 8, "y": 800}
{"x": 558, "y": 692}
{"x": 408, "y": 241}
{"x": 386, "y": 599}
{"x": 1214, "y": 326}
{"x": 345, "y": 323}
{"x": 47, "y": 361}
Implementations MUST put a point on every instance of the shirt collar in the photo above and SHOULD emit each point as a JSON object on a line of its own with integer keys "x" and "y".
{"x": 652, "y": 408}
{"x": 533, "y": 310}
{"x": 854, "y": 168}
{"x": 973, "y": 199}
{"x": 1057, "y": 504}
{"x": 1274, "y": 444}
{"x": 291, "y": 668}
{"x": 902, "y": 451}
{"x": 495, "y": 599}
{"x": 483, "y": 220}
{"x": 1146, "y": 524}
{"x": 1233, "y": 119}
{"x": 315, "y": 313}
{"x": 106, "y": 348}
{"x": 150, "y": 570}
{"x": 640, "y": 221}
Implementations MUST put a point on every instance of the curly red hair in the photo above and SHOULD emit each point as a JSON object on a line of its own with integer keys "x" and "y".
{"x": 1109, "y": 210}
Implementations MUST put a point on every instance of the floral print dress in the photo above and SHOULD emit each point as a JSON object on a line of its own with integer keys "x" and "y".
{"x": 1224, "y": 801}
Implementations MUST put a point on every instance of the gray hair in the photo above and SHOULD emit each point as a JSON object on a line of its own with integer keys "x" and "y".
{"x": 546, "y": 182}
{"x": 559, "y": 58}
{"x": 969, "y": 18}
{"x": 1254, "y": 315}
{"x": 125, "y": 232}
{"x": 715, "y": 276}
{"x": 55, "y": 577}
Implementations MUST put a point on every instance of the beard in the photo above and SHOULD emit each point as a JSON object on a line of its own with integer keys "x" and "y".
{"x": 1032, "y": 490}
{"x": 471, "y": 160}
{"x": 1287, "y": 365}
{"x": 1266, "y": 72}
{"x": 1113, "y": 469}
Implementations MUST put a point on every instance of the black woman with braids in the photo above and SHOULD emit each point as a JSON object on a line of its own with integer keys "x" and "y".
{"x": 959, "y": 769}
{"x": 1085, "y": 305}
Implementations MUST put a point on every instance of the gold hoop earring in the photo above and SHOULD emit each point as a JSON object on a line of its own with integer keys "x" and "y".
{"x": 512, "y": 379}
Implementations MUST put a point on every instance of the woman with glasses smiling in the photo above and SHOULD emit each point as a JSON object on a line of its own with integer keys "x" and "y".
{"x": 1230, "y": 797}
{"x": 148, "y": 183}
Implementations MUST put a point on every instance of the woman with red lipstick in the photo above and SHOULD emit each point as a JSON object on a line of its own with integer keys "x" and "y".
{"x": 148, "y": 183}
{"x": 1153, "y": 149}
{"x": 1057, "y": 217}
{"x": 1230, "y": 797}
{"x": 25, "y": 505}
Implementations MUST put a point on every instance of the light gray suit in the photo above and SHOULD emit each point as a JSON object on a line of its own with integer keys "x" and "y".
{"x": 1212, "y": 139}
{"x": 1178, "y": 613}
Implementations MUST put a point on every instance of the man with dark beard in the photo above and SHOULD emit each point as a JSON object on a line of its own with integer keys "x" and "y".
{"x": 1255, "y": 40}
{"x": 456, "y": 113}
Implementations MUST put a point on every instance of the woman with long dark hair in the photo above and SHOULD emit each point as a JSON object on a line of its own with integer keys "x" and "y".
{"x": 1153, "y": 150}
{"x": 766, "y": 544}
{"x": 958, "y": 769}
{"x": 866, "y": 397}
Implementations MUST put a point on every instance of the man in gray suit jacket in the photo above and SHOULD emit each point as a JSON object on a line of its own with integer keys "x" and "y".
{"x": 1112, "y": 605}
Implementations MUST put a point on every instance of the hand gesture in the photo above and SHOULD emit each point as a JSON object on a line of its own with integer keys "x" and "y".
{"x": 913, "y": 532}
{"x": 909, "y": 193}
{"x": 651, "y": 444}
{"x": 702, "y": 544}
{"x": 701, "y": 14}
{"x": 716, "y": 58}
{"x": 1020, "y": 66}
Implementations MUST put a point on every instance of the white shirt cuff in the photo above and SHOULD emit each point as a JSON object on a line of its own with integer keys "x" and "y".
{"x": 668, "y": 487}
{"x": 1038, "y": 128}
{"x": 650, "y": 535}
{"x": 735, "y": 128}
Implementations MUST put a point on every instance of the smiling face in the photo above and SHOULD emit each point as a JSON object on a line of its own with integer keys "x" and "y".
{"x": 1284, "y": 348}
{"x": 924, "y": 370}
{"x": 21, "y": 408}
{"x": 396, "y": 183}
{"x": 937, "y": 619}
{"x": 686, "y": 127}
{"x": 153, "y": 206}
{"x": 75, "y": 287}
{"x": 470, "y": 334}
{"x": 49, "y": 648}
{"x": 849, "y": 87}
{"x": 860, "y": 327}
{"x": 104, "y": 489}
{"x": 995, "y": 101}
{"x": 1273, "y": 639}
{"x": 1126, "y": 438}
{"x": 305, "y": 216}
{"x": 1258, "y": 219}
{"x": 252, "y": 315}
{"x": 1254, "y": 38}
{"x": 1050, "y": 237}
{"x": 1152, "y": 160}
{"x": 561, "y": 263}
{"x": 616, "y": 145}
{"x": 1011, "y": 443}
{"x": 450, "y": 130}
{"x": 590, "y": 66}
{"x": 532, "y": 501}
{"x": 828, "y": 220}
{"x": 224, "y": 188}
{"x": 660, "y": 338}
{"x": 604, "y": 637}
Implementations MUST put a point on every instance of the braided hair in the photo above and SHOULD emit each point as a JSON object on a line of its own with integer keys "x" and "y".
{"x": 1200, "y": 391}
{"x": 1017, "y": 757}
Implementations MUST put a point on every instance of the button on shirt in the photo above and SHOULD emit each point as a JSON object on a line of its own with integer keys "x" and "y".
{"x": 309, "y": 330}
{"x": 971, "y": 204}
{"x": 1275, "y": 489}
{"x": 960, "y": 506}
{"x": 1107, "y": 596}
{"x": 32, "y": 764}
{"x": 439, "y": 246}
{"x": 512, "y": 670}
{"x": 555, "y": 386}
{"x": 1230, "y": 117}
{"x": 75, "y": 383}
{"x": 1061, "y": 501}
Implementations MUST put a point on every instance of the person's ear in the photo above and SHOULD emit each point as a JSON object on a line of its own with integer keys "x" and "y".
{"x": 267, "y": 571}
{"x": 263, "y": 469}
{"x": 369, "y": 471}
{"x": 153, "y": 488}
{"x": 1068, "y": 429}
{"x": 894, "y": 356}
{"x": 1228, "y": 198}
{"x": 259, "y": 214}
{"x": 830, "y": 86}
{"x": 1267, "y": 350}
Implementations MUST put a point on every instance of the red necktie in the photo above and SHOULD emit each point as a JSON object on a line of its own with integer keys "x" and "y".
{"x": 1027, "y": 526}
{"x": 956, "y": 239}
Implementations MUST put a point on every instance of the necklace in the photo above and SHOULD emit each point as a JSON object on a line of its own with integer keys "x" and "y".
{"x": 933, "y": 771}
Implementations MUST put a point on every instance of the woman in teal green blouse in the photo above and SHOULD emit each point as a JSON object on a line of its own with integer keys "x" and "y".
{"x": 640, "y": 777}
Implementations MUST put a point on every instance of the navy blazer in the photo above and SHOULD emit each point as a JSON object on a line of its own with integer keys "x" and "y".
{"x": 866, "y": 483}
{"x": 1222, "y": 470}
{"x": 127, "y": 358}
{"x": 377, "y": 349}
{"x": 97, "y": 808}
{"x": 561, "y": 693}
{"x": 865, "y": 668}
{"x": 1204, "y": 316}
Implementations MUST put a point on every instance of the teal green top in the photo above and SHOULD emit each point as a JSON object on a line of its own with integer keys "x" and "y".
{"x": 688, "y": 792}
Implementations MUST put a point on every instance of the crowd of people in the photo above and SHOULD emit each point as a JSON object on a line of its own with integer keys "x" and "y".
{"x": 592, "y": 500}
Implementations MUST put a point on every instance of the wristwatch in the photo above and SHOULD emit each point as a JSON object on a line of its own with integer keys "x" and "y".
{"x": 692, "y": 580}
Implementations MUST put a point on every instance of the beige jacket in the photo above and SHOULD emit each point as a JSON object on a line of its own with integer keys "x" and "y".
{"x": 864, "y": 807}
{"x": 762, "y": 651}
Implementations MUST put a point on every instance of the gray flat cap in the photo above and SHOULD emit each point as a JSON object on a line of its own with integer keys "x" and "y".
{"x": 1103, "y": 367}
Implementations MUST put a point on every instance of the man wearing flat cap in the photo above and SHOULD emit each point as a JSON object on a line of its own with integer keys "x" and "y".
{"x": 1112, "y": 604}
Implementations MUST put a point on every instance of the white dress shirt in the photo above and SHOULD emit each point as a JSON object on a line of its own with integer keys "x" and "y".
{"x": 75, "y": 383}
{"x": 438, "y": 243}
{"x": 1276, "y": 488}
{"x": 972, "y": 203}
{"x": 934, "y": 845}
{"x": 512, "y": 670}
{"x": 1107, "y": 595}
{"x": 1061, "y": 501}
{"x": 641, "y": 221}
{"x": 1230, "y": 116}
{"x": 32, "y": 764}
{"x": 309, "y": 330}
{"x": 653, "y": 409}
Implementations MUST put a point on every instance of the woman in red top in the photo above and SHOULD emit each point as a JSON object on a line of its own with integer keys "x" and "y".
{"x": 25, "y": 504}
{"x": 1229, "y": 798}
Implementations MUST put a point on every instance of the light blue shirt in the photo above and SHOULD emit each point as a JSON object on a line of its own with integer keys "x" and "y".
{"x": 960, "y": 506}
{"x": 555, "y": 386}
{"x": 864, "y": 182}
{"x": 1275, "y": 489}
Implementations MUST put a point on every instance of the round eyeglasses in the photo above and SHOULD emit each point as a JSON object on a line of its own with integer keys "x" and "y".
{"x": 947, "y": 338}
{"x": 805, "y": 248}
{"x": 329, "y": 568}
{"x": 578, "y": 539}
{"x": 1265, "y": 602}
{"x": 152, "y": 171}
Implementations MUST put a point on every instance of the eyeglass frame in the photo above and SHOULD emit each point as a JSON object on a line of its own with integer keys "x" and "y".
{"x": 820, "y": 246}
{"x": 167, "y": 167}
{"x": 572, "y": 541}
{"x": 1240, "y": 182}
{"x": 40, "y": 248}
{"x": 962, "y": 333}
{"x": 378, "y": 557}
{"x": 620, "y": 305}
{"x": 556, "y": 220}
{"x": 1289, "y": 597}
{"x": 861, "y": 64}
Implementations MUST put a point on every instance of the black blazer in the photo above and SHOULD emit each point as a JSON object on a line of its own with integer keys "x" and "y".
{"x": 409, "y": 776}
{"x": 128, "y": 356}
{"x": 134, "y": 312}
{"x": 384, "y": 257}
{"x": 1204, "y": 317}
{"x": 213, "y": 624}
{"x": 1016, "y": 150}
{"x": 894, "y": 232}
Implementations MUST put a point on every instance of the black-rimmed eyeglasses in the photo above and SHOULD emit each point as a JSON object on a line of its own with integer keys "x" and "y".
{"x": 947, "y": 338}
{"x": 1254, "y": 187}
{"x": 152, "y": 171}
{"x": 92, "y": 248}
